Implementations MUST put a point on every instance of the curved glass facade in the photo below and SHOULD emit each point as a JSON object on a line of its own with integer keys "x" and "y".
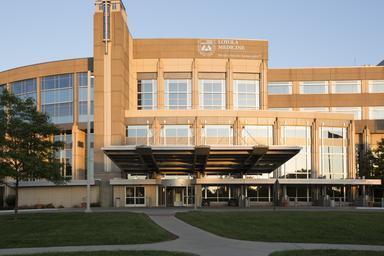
{"x": 25, "y": 89}
{"x": 57, "y": 97}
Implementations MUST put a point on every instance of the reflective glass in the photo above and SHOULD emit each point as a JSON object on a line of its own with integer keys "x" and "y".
{"x": 146, "y": 94}
{"x": 25, "y": 89}
{"x": 212, "y": 94}
{"x": 279, "y": 88}
{"x": 314, "y": 87}
{"x": 376, "y": 86}
{"x": 57, "y": 97}
{"x": 376, "y": 113}
{"x": 353, "y": 86}
{"x": 246, "y": 94}
{"x": 298, "y": 167}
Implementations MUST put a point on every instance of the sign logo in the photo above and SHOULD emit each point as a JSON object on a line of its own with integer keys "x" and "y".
{"x": 206, "y": 47}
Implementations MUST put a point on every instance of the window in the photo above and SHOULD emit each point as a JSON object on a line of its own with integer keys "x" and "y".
{"x": 356, "y": 111}
{"x": 246, "y": 94}
{"x": 217, "y": 135}
{"x": 376, "y": 86}
{"x": 333, "y": 152}
{"x": 138, "y": 135}
{"x": 212, "y": 94}
{"x": 217, "y": 193}
{"x": 314, "y": 87}
{"x": 315, "y": 109}
{"x": 134, "y": 196}
{"x": 275, "y": 88}
{"x": 257, "y": 135}
{"x": 82, "y": 83}
{"x": 57, "y": 97}
{"x": 25, "y": 89}
{"x": 146, "y": 94}
{"x": 353, "y": 86}
{"x": 65, "y": 154}
{"x": 261, "y": 193}
{"x": 2, "y": 88}
{"x": 376, "y": 113}
{"x": 177, "y": 94}
{"x": 298, "y": 167}
{"x": 176, "y": 135}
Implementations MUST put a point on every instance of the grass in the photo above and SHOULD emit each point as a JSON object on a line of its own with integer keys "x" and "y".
{"x": 115, "y": 253}
{"x": 62, "y": 229}
{"x": 326, "y": 253}
{"x": 293, "y": 226}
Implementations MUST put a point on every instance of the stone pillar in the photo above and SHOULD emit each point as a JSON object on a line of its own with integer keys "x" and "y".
{"x": 195, "y": 85}
{"x": 160, "y": 84}
{"x": 264, "y": 85}
{"x": 229, "y": 86}
{"x": 198, "y": 195}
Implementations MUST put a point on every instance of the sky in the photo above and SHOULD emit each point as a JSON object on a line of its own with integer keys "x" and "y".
{"x": 301, "y": 33}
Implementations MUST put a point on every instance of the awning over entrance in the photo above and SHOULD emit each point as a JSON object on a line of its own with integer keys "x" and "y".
{"x": 208, "y": 159}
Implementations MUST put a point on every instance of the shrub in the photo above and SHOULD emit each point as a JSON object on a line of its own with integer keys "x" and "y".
{"x": 50, "y": 205}
{"x": 10, "y": 200}
{"x": 60, "y": 206}
{"x": 96, "y": 204}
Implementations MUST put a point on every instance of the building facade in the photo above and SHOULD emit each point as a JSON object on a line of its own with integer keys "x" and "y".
{"x": 201, "y": 122}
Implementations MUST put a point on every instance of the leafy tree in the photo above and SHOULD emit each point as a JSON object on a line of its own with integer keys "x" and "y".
{"x": 374, "y": 161}
{"x": 27, "y": 148}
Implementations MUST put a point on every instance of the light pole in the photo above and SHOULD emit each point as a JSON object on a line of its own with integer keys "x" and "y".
{"x": 88, "y": 209}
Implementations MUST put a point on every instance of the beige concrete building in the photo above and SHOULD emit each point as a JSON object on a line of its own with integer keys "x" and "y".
{"x": 201, "y": 122}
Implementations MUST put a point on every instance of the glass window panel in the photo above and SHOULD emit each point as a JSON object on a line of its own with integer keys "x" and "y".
{"x": 356, "y": 111}
{"x": 246, "y": 94}
{"x": 314, "y": 87}
{"x": 279, "y": 88}
{"x": 376, "y": 86}
{"x": 147, "y": 94}
{"x": 376, "y": 113}
{"x": 353, "y": 86}
{"x": 212, "y": 94}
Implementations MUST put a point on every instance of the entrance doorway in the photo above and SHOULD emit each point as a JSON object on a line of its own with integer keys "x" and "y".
{"x": 176, "y": 196}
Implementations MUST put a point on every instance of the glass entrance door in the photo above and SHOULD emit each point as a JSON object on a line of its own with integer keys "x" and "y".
{"x": 176, "y": 196}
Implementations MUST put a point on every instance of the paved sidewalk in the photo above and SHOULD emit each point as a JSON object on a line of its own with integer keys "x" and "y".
{"x": 196, "y": 241}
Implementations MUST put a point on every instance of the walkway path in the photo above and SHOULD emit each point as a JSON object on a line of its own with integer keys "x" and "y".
{"x": 196, "y": 241}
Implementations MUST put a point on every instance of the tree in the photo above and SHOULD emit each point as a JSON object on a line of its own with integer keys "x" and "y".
{"x": 27, "y": 148}
{"x": 374, "y": 161}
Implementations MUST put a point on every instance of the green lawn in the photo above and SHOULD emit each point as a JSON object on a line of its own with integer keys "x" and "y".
{"x": 327, "y": 253}
{"x": 293, "y": 226}
{"x": 60, "y": 229}
{"x": 116, "y": 253}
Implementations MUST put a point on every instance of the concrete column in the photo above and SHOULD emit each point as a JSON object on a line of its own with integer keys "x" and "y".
{"x": 160, "y": 84}
{"x": 237, "y": 129}
{"x": 364, "y": 86}
{"x": 197, "y": 131}
{"x": 351, "y": 151}
{"x": 264, "y": 85}
{"x": 198, "y": 195}
{"x": 330, "y": 87}
{"x": 156, "y": 130}
{"x": 229, "y": 86}
{"x": 195, "y": 85}
{"x": 315, "y": 149}
{"x": 295, "y": 88}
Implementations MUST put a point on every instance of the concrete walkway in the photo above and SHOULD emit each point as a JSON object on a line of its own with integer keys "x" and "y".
{"x": 194, "y": 240}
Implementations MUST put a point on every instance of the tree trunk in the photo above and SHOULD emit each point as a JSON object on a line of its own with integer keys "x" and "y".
{"x": 17, "y": 196}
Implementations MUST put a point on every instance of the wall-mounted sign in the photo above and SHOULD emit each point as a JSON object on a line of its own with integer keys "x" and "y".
{"x": 225, "y": 48}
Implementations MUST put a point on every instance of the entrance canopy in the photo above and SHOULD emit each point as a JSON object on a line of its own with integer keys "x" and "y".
{"x": 208, "y": 159}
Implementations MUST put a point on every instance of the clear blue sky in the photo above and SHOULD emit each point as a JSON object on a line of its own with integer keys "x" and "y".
{"x": 301, "y": 33}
